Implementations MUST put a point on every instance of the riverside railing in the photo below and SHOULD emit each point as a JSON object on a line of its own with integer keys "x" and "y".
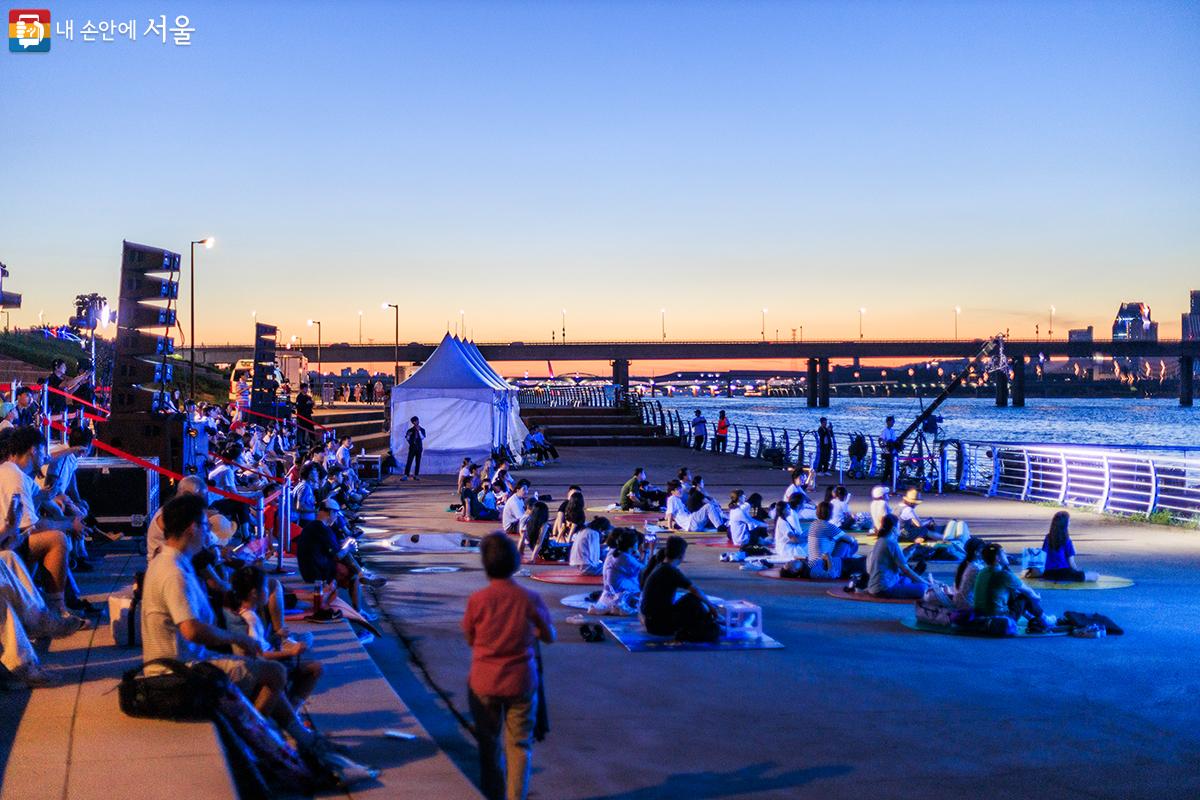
{"x": 1114, "y": 479}
{"x": 784, "y": 447}
{"x": 568, "y": 397}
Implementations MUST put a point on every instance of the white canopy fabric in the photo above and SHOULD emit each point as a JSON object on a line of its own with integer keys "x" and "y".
{"x": 465, "y": 407}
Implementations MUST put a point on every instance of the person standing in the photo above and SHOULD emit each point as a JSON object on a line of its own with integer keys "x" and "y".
{"x": 888, "y": 445}
{"x": 699, "y": 430}
{"x": 415, "y": 437}
{"x": 304, "y": 412}
{"x": 721, "y": 440}
{"x": 502, "y": 624}
{"x": 824, "y": 446}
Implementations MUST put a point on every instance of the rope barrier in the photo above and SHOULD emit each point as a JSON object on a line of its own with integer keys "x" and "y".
{"x": 243, "y": 467}
{"x": 282, "y": 419}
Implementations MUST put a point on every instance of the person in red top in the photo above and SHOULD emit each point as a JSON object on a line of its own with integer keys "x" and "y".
{"x": 721, "y": 440}
{"x": 503, "y": 624}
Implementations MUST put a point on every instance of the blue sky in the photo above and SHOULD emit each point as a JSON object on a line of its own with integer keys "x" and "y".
{"x": 615, "y": 158}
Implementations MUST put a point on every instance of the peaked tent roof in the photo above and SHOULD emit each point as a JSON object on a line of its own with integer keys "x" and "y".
{"x": 482, "y": 364}
{"x": 448, "y": 367}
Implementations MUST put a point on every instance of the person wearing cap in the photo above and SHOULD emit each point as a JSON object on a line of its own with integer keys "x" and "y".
{"x": 320, "y": 557}
{"x": 879, "y": 507}
{"x": 912, "y": 527}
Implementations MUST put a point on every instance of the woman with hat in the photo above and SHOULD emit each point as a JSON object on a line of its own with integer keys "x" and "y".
{"x": 912, "y": 527}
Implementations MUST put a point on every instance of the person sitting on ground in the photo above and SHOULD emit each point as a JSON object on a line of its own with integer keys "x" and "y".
{"x": 502, "y": 624}
{"x": 831, "y": 551}
{"x": 534, "y": 534}
{"x": 791, "y": 541}
{"x": 841, "y": 516}
{"x": 879, "y": 507}
{"x": 464, "y": 473}
{"x": 472, "y": 505}
{"x": 178, "y": 623}
{"x": 248, "y": 593}
{"x": 1060, "y": 553}
{"x": 622, "y": 593}
{"x": 966, "y": 573}
{"x": 559, "y": 529}
{"x": 912, "y": 527}
{"x": 745, "y": 532}
{"x": 542, "y": 448}
{"x": 634, "y": 496}
{"x": 756, "y": 510}
{"x": 502, "y": 478}
{"x": 514, "y": 507}
{"x": 890, "y": 574}
{"x": 702, "y": 515}
{"x": 999, "y": 592}
{"x": 587, "y": 552}
{"x": 691, "y": 618}
{"x": 676, "y": 506}
{"x": 799, "y": 476}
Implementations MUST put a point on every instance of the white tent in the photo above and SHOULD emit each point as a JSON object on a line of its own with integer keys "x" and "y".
{"x": 466, "y": 408}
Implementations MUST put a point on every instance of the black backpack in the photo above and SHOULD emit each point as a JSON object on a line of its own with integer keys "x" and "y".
{"x": 180, "y": 693}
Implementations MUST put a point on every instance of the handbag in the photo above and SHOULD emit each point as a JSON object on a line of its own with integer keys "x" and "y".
{"x": 934, "y": 614}
{"x": 179, "y": 693}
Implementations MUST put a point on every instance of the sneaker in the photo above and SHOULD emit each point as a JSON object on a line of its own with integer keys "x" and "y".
{"x": 368, "y": 614}
{"x": 65, "y": 626}
{"x": 365, "y": 637}
{"x": 347, "y": 772}
{"x": 1036, "y": 625}
{"x": 34, "y": 676}
{"x": 373, "y": 580}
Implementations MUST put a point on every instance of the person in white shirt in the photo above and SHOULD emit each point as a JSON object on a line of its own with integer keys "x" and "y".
{"x": 879, "y": 506}
{"x": 912, "y": 527}
{"x": 514, "y": 507}
{"x": 791, "y": 540}
{"x": 587, "y": 555}
{"x": 841, "y": 516}
{"x": 745, "y": 531}
{"x": 887, "y": 447}
{"x": 703, "y": 514}
{"x": 676, "y": 508}
{"x": 797, "y": 485}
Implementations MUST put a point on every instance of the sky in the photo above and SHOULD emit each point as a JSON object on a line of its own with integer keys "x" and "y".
{"x": 510, "y": 160}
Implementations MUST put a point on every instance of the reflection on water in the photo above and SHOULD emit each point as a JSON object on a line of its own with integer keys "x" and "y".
{"x": 1110, "y": 421}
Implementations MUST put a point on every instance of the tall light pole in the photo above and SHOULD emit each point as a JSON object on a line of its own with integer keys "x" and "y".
{"x": 254, "y": 316}
{"x": 861, "y": 311}
{"x": 957, "y": 311}
{"x": 663, "y": 311}
{"x": 1050, "y": 330}
{"x": 320, "y": 372}
{"x": 208, "y": 243}
{"x": 396, "y": 364}
{"x": 298, "y": 342}
{"x": 360, "y": 313}
{"x": 462, "y": 324}
{"x": 763, "y": 332}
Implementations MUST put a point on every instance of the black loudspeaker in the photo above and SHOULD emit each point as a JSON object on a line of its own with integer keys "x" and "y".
{"x": 142, "y": 370}
{"x": 262, "y": 385}
{"x": 122, "y": 496}
{"x": 176, "y": 443}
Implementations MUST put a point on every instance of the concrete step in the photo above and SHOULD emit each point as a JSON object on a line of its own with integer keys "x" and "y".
{"x": 337, "y": 415}
{"x": 554, "y": 432}
{"x": 601, "y": 440}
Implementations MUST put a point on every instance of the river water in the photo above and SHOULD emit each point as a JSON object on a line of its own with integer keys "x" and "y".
{"x": 1108, "y": 421}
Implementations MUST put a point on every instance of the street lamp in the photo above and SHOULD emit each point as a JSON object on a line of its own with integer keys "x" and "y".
{"x": 763, "y": 332}
{"x": 41, "y": 315}
{"x": 663, "y": 311}
{"x": 208, "y": 242}
{"x": 254, "y": 314}
{"x": 1050, "y": 330}
{"x": 861, "y": 311}
{"x": 360, "y": 313}
{"x": 396, "y": 364}
{"x": 462, "y": 324}
{"x": 320, "y": 372}
{"x": 564, "y": 326}
{"x": 957, "y": 311}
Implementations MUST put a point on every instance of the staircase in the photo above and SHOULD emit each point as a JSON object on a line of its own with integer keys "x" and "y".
{"x": 11, "y": 369}
{"x": 364, "y": 424}
{"x": 594, "y": 427}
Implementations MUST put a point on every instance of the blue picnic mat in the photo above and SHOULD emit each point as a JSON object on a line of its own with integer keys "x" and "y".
{"x": 630, "y": 633}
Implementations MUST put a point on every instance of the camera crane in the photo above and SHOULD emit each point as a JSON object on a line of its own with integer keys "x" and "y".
{"x": 992, "y": 350}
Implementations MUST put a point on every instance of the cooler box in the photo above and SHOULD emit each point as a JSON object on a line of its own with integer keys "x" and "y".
{"x": 122, "y": 496}
{"x": 369, "y": 467}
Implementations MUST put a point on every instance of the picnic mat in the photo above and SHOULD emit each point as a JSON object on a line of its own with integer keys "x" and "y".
{"x": 617, "y": 512}
{"x": 633, "y": 637}
{"x": 581, "y": 601}
{"x": 567, "y": 576}
{"x": 915, "y": 624}
{"x": 774, "y": 573}
{"x": 1105, "y": 582}
{"x": 422, "y": 543}
{"x": 864, "y": 597}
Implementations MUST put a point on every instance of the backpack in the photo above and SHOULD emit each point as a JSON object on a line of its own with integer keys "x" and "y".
{"x": 1078, "y": 619}
{"x": 180, "y": 693}
{"x": 934, "y": 614}
{"x": 858, "y": 446}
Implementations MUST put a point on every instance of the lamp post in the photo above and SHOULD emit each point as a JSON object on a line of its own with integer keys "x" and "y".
{"x": 763, "y": 332}
{"x": 957, "y": 311}
{"x": 861, "y": 311}
{"x": 320, "y": 372}
{"x": 360, "y": 313}
{"x": 254, "y": 315}
{"x": 462, "y": 324}
{"x": 208, "y": 243}
{"x": 396, "y": 365}
{"x": 1050, "y": 330}
{"x": 663, "y": 311}
{"x": 564, "y": 326}
{"x": 41, "y": 316}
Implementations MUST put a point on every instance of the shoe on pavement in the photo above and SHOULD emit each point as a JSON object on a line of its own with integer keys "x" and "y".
{"x": 374, "y": 581}
{"x": 34, "y": 676}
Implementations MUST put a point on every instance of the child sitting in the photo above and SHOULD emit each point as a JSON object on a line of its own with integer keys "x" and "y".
{"x": 622, "y": 567}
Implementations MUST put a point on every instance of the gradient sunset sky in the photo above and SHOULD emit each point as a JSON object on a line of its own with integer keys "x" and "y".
{"x": 615, "y": 158}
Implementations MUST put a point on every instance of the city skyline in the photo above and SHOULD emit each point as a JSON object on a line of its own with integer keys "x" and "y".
{"x": 511, "y": 161}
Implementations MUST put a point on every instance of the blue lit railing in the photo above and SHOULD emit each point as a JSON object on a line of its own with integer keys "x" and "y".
{"x": 1120, "y": 480}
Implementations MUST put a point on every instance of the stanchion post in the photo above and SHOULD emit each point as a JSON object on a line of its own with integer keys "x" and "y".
{"x": 45, "y": 413}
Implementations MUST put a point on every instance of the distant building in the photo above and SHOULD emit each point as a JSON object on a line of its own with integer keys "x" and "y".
{"x": 1080, "y": 334}
{"x": 1133, "y": 323}
{"x": 1191, "y": 320}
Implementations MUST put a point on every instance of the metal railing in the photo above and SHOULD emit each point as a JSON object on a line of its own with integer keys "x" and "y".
{"x": 603, "y": 396}
{"x": 1119, "y": 480}
{"x": 789, "y": 447}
